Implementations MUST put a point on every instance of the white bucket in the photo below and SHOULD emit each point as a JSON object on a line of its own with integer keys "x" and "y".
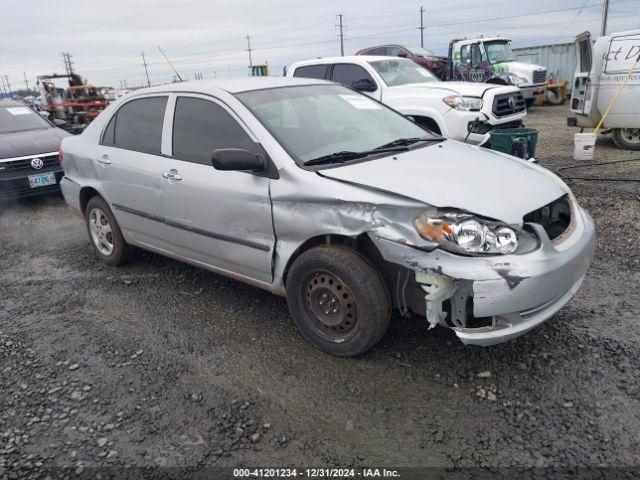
{"x": 584, "y": 145}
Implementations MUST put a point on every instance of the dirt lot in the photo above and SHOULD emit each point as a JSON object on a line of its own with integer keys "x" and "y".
{"x": 162, "y": 364}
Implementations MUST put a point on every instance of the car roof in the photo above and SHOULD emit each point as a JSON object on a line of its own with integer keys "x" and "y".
{"x": 384, "y": 45}
{"x": 348, "y": 59}
{"x": 230, "y": 85}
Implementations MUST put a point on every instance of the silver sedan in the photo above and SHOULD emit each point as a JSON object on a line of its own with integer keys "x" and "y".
{"x": 318, "y": 193}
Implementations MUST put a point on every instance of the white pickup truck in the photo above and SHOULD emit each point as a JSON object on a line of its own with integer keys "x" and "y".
{"x": 458, "y": 110}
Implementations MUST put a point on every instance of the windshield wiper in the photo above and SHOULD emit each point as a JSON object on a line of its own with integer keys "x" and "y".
{"x": 401, "y": 142}
{"x": 337, "y": 157}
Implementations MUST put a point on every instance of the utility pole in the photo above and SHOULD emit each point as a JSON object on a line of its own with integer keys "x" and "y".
{"x": 4, "y": 89}
{"x": 26, "y": 82}
{"x": 249, "y": 50}
{"x": 341, "y": 35}
{"x": 8, "y": 86}
{"x": 144, "y": 62}
{"x": 422, "y": 27}
{"x": 605, "y": 14}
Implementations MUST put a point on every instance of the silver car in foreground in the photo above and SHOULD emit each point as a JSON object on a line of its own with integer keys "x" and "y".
{"x": 313, "y": 191}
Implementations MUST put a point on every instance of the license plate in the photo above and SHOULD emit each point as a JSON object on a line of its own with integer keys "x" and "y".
{"x": 42, "y": 180}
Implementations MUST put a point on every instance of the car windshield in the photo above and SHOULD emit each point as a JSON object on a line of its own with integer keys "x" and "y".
{"x": 499, "y": 52}
{"x": 17, "y": 118}
{"x": 420, "y": 51}
{"x": 316, "y": 121}
{"x": 402, "y": 72}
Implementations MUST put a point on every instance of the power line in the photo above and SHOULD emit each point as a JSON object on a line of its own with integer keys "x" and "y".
{"x": 207, "y": 58}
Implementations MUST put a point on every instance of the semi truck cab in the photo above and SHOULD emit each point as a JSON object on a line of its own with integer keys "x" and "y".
{"x": 491, "y": 60}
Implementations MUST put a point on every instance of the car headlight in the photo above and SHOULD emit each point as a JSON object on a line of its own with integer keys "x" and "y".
{"x": 462, "y": 232}
{"x": 469, "y": 104}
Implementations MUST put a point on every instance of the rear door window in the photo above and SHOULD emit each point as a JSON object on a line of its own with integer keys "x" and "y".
{"x": 348, "y": 74}
{"x": 200, "y": 126}
{"x": 137, "y": 125}
{"x": 311, "y": 71}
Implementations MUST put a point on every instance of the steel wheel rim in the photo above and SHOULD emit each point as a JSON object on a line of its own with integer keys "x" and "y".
{"x": 101, "y": 232}
{"x": 331, "y": 306}
{"x": 631, "y": 135}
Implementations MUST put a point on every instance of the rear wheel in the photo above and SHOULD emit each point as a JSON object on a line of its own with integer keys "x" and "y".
{"x": 105, "y": 233}
{"x": 627, "y": 138}
{"x": 338, "y": 300}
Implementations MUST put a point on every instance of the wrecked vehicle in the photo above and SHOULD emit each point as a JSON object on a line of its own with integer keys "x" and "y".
{"x": 419, "y": 55}
{"x": 318, "y": 193}
{"x": 462, "y": 111}
{"x": 76, "y": 106}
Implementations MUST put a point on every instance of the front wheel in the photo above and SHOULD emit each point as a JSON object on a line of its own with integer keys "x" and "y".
{"x": 105, "y": 233}
{"x": 338, "y": 300}
{"x": 627, "y": 138}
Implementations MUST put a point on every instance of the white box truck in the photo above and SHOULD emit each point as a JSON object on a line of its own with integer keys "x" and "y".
{"x": 601, "y": 68}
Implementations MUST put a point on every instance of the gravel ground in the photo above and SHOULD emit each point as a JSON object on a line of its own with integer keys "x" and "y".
{"x": 159, "y": 364}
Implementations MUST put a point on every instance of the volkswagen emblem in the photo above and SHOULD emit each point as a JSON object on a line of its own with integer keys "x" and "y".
{"x": 37, "y": 163}
{"x": 513, "y": 103}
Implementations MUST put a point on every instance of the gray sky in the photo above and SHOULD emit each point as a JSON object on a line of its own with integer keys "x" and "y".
{"x": 106, "y": 39}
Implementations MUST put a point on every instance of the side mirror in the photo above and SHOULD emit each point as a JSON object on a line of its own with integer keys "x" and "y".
{"x": 365, "y": 85}
{"x": 403, "y": 55}
{"x": 237, "y": 159}
{"x": 58, "y": 122}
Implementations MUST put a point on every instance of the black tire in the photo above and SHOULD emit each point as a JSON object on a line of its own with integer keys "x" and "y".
{"x": 529, "y": 102}
{"x": 626, "y": 138}
{"x": 338, "y": 300}
{"x": 121, "y": 251}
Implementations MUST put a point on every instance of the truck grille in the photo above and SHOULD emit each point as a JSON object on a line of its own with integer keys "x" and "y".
{"x": 508, "y": 104}
{"x": 539, "y": 76}
{"x": 24, "y": 164}
{"x": 554, "y": 217}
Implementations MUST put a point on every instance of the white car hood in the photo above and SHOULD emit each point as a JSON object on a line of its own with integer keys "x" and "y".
{"x": 456, "y": 175}
{"x": 525, "y": 69}
{"x": 456, "y": 88}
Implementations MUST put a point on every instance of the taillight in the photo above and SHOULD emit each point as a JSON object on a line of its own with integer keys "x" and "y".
{"x": 60, "y": 155}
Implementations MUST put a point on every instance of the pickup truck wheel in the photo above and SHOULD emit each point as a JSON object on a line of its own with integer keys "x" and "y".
{"x": 338, "y": 300}
{"x": 105, "y": 234}
{"x": 627, "y": 138}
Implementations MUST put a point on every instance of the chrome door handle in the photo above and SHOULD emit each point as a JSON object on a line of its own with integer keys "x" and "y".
{"x": 104, "y": 159}
{"x": 172, "y": 175}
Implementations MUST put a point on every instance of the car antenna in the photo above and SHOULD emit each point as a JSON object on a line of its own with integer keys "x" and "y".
{"x": 170, "y": 64}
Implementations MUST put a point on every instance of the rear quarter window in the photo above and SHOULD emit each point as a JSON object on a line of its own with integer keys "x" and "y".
{"x": 137, "y": 125}
{"x": 311, "y": 71}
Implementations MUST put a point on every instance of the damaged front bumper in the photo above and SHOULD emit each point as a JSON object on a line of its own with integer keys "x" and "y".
{"x": 509, "y": 294}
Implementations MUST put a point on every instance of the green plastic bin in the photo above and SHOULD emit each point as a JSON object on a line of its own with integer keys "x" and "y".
{"x": 520, "y": 142}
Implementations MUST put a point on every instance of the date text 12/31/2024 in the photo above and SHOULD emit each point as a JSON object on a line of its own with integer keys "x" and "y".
{"x": 315, "y": 473}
